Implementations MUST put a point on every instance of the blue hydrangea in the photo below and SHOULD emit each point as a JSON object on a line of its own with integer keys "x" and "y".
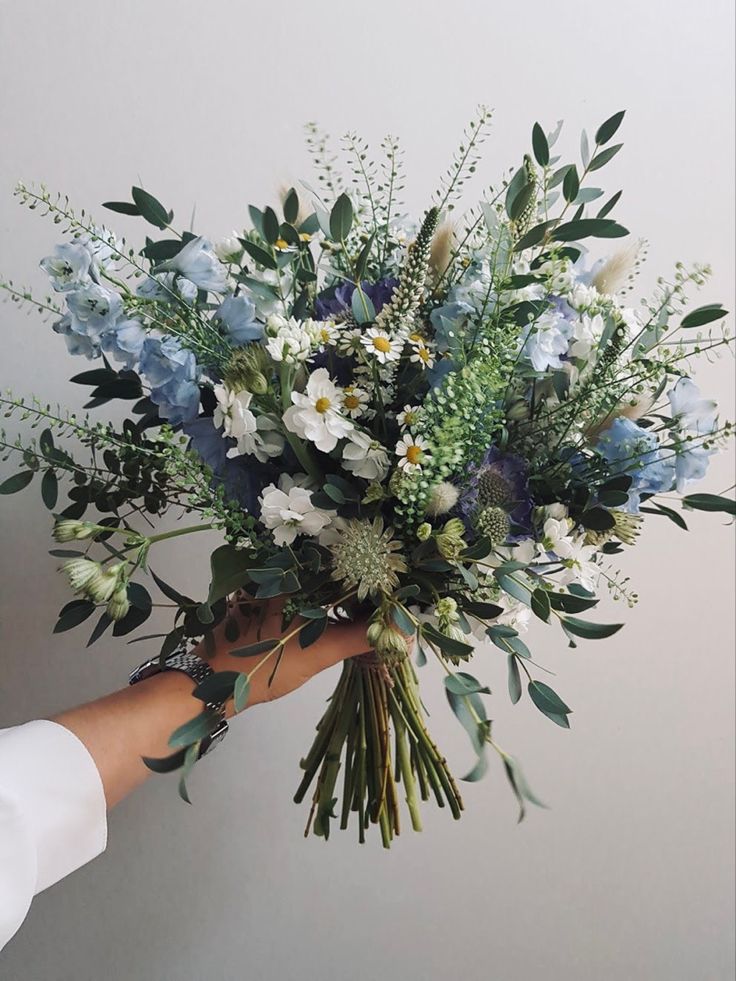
{"x": 237, "y": 314}
{"x": 635, "y": 451}
{"x": 173, "y": 375}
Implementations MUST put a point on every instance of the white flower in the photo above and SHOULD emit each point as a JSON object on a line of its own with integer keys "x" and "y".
{"x": 232, "y": 412}
{"x": 576, "y": 557}
{"x": 422, "y": 356}
{"x": 315, "y": 415}
{"x": 691, "y": 411}
{"x": 555, "y": 531}
{"x": 266, "y": 442}
{"x": 411, "y": 452}
{"x": 381, "y": 346}
{"x": 365, "y": 457}
{"x": 408, "y": 415}
{"x": 197, "y": 262}
{"x": 354, "y": 400}
{"x": 583, "y": 297}
{"x": 585, "y": 336}
{"x": 290, "y": 514}
{"x": 228, "y": 249}
{"x": 350, "y": 341}
{"x": 556, "y": 510}
{"x": 323, "y": 333}
{"x": 289, "y": 341}
{"x": 545, "y": 340}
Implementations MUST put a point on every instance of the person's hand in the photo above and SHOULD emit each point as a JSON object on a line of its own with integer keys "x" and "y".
{"x": 297, "y": 664}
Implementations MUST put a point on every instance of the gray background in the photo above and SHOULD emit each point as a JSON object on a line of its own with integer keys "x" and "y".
{"x": 628, "y": 876}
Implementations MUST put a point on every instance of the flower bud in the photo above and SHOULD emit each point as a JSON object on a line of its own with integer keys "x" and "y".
{"x": 118, "y": 604}
{"x": 228, "y": 249}
{"x": 81, "y": 572}
{"x": 67, "y": 530}
{"x": 424, "y": 531}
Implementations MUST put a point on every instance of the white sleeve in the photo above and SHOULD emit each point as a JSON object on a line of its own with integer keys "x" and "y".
{"x": 52, "y": 814}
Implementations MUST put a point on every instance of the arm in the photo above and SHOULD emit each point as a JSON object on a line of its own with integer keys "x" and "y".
{"x": 126, "y": 725}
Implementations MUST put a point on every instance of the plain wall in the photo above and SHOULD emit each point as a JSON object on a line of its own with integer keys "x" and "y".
{"x": 628, "y": 876}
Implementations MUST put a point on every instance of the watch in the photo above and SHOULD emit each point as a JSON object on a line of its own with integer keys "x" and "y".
{"x": 197, "y": 669}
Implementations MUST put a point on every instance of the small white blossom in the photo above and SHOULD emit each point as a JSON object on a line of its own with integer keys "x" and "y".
{"x": 232, "y": 412}
{"x": 411, "y": 452}
{"x": 288, "y": 341}
{"x": 228, "y": 249}
{"x": 288, "y": 514}
{"x": 408, "y": 415}
{"x": 383, "y": 347}
{"x": 354, "y": 400}
{"x": 365, "y": 457}
{"x": 316, "y": 414}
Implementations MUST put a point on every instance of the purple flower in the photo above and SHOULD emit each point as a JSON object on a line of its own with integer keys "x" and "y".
{"x": 335, "y": 303}
{"x": 243, "y": 478}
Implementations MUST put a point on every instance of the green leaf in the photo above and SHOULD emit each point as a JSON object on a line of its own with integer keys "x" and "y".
{"x": 165, "y": 764}
{"x": 448, "y": 645}
{"x": 171, "y": 593}
{"x": 50, "y": 489}
{"x": 402, "y": 620}
{"x": 241, "y": 692}
{"x": 97, "y": 376}
{"x": 251, "y": 650}
{"x": 362, "y": 307}
{"x": 163, "y": 250}
{"x": 217, "y": 687}
{"x": 46, "y": 443}
{"x": 514, "y": 679}
{"x": 608, "y": 129}
{"x": 258, "y": 254}
{"x": 341, "y": 218}
{"x": 573, "y": 231}
{"x": 520, "y": 787}
{"x": 478, "y": 550}
{"x": 710, "y": 502}
{"x": 541, "y": 604}
{"x": 540, "y": 145}
{"x": 229, "y": 571}
{"x": 484, "y": 611}
{"x": 571, "y": 604}
{"x": 312, "y": 631}
{"x": 521, "y": 201}
{"x": 609, "y": 205}
{"x": 361, "y": 261}
{"x": 598, "y": 519}
{"x": 17, "y": 482}
{"x": 516, "y": 185}
{"x": 313, "y": 613}
{"x": 462, "y": 683}
{"x": 534, "y": 236}
{"x": 704, "y": 315}
{"x": 469, "y": 709}
{"x": 590, "y": 631}
{"x": 121, "y": 207}
{"x": 571, "y": 183}
{"x": 190, "y": 758}
{"x": 665, "y": 512}
{"x": 100, "y": 627}
{"x": 549, "y": 703}
{"x": 195, "y": 729}
{"x": 291, "y": 206}
{"x": 270, "y": 226}
{"x": 151, "y": 209}
{"x": 73, "y": 614}
{"x": 131, "y": 621}
{"x": 602, "y": 158}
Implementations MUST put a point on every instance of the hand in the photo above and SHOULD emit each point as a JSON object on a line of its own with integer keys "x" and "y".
{"x": 297, "y": 664}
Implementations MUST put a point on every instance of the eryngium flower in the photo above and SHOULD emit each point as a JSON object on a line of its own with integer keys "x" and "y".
{"x": 365, "y": 557}
{"x": 89, "y": 578}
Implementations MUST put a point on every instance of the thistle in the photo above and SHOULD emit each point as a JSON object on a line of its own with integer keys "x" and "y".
{"x": 399, "y": 313}
{"x": 244, "y": 370}
{"x": 366, "y": 559}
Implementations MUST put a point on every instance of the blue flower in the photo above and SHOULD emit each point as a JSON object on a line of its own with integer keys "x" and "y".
{"x": 238, "y": 316}
{"x": 93, "y": 309}
{"x": 198, "y": 263}
{"x": 173, "y": 375}
{"x": 69, "y": 267}
{"x": 77, "y": 344}
{"x": 691, "y": 464}
{"x": 692, "y": 413}
{"x": 546, "y": 340}
{"x": 635, "y": 451}
{"x": 125, "y": 342}
{"x": 243, "y": 478}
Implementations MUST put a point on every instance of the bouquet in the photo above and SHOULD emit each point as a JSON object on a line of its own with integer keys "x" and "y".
{"x": 442, "y": 428}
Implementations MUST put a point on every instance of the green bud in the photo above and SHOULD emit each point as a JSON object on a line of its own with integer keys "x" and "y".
{"x": 424, "y": 531}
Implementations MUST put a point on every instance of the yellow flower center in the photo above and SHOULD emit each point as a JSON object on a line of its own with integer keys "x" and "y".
{"x": 415, "y": 337}
{"x": 382, "y": 344}
{"x": 324, "y": 335}
{"x": 281, "y": 243}
{"x": 352, "y": 402}
{"x": 423, "y": 354}
{"x": 305, "y": 237}
{"x": 414, "y": 454}
{"x": 322, "y": 404}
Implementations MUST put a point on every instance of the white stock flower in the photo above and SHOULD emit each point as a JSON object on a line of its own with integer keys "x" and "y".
{"x": 585, "y": 336}
{"x": 288, "y": 341}
{"x": 365, "y": 457}
{"x": 232, "y": 412}
{"x": 545, "y": 340}
{"x": 577, "y": 557}
{"x": 315, "y": 414}
{"x": 228, "y": 249}
{"x": 288, "y": 514}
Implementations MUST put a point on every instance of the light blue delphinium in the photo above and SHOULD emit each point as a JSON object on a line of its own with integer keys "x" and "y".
{"x": 125, "y": 342}
{"x": 173, "y": 376}
{"x": 77, "y": 344}
{"x": 238, "y": 316}
{"x": 93, "y": 310}
{"x": 69, "y": 267}
{"x": 198, "y": 263}
{"x": 635, "y": 451}
{"x": 694, "y": 417}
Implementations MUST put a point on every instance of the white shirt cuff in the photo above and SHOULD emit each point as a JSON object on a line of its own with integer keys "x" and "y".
{"x": 51, "y": 777}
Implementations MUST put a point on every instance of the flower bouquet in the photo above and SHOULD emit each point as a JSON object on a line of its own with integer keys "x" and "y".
{"x": 442, "y": 428}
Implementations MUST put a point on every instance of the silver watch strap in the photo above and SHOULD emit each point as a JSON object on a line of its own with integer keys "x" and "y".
{"x": 195, "y": 668}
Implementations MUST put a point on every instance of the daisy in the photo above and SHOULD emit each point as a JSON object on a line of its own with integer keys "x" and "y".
{"x": 324, "y": 333}
{"x": 411, "y": 452}
{"x": 381, "y": 346}
{"x": 422, "y": 356}
{"x": 354, "y": 400}
{"x": 408, "y": 416}
{"x": 350, "y": 341}
{"x": 316, "y": 415}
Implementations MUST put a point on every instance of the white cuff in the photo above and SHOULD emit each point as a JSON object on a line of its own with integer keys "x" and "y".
{"x": 48, "y": 773}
